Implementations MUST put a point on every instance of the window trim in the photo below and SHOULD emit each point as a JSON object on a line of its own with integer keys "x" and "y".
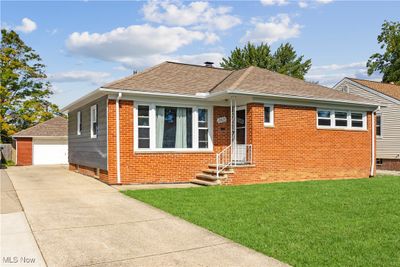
{"x": 376, "y": 124}
{"x": 93, "y": 119}
{"x": 152, "y": 125}
{"x": 333, "y": 120}
{"x": 271, "y": 115}
{"x": 79, "y": 123}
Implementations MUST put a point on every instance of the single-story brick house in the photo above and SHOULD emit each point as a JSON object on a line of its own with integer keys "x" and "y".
{"x": 387, "y": 118}
{"x": 43, "y": 144}
{"x": 178, "y": 122}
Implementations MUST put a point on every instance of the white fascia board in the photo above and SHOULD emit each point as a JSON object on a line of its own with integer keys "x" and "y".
{"x": 369, "y": 90}
{"x": 317, "y": 100}
{"x": 83, "y": 100}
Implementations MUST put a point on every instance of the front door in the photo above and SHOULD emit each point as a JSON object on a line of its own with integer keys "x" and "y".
{"x": 239, "y": 153}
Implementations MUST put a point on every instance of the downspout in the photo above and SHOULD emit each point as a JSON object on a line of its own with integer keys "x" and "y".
{"x": 118, "y": 141}
{"x": 371, "y": 174}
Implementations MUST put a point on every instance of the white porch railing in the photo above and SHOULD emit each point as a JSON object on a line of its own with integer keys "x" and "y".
{"x": 234, "y": 155}
{"x": 224, "y": 159}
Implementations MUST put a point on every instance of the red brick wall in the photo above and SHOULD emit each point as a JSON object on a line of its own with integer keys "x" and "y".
{"x": 389, "y": 165}
{"x": 293, "y": 150}
{"x": 24, "y": 151}
{"x": 156, "y": 167}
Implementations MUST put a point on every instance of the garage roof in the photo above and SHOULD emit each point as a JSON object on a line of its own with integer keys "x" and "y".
{"x": 57, "y": 126}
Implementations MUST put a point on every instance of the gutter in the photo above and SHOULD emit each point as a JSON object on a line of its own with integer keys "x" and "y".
{"x": 373, "y": 160}
{"x": 118, "y": 139}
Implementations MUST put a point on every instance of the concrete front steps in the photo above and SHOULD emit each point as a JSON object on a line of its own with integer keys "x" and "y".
{"x": 208, "y": 177}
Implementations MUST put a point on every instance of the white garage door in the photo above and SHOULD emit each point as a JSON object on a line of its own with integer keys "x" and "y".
{"x": 50, "y": 151}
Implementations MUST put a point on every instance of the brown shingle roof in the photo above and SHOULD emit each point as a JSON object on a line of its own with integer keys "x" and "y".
{"x": 57, "y": 126}
{"x": 186, "y": 79}
{"x": 174, "y": 78}
{"x": 388, "y": 89}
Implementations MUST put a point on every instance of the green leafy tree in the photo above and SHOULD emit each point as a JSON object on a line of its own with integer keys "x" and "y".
{"x": 284, "y": 60}
{"x": 24, "y": 90}
{"x": 387, "y": 63}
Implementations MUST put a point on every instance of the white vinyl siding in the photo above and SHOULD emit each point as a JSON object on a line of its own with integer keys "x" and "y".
{"x": 388, "y": 145}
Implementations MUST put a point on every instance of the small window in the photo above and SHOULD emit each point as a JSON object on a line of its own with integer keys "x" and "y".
{"x": 357, "y": 120}
{"x": 268, "y": 115}
{"x": 79, "y": 123}
{"x": 143, "y": 127}
{"x": 341, "y": 119}
{"x": 324, "y": 118}
{"x": 379, "y": 125}
{"x": 203, "y": 127}
{"x": 379, "y": 162}
{"x": 93, "y": 121}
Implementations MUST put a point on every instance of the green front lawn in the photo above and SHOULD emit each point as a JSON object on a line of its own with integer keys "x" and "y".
{"x": 315, "y": 223}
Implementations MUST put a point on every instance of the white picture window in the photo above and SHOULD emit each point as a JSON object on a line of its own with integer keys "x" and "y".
{"x": 168, "y": 127}
{"x": 340, "y": 119}
{"x": 268, "y": 115}
{"x": 78, "y": 123}
{"x": 93, "y": 122}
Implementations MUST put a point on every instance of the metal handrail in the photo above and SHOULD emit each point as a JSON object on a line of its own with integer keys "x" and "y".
{"x": 224, "y": 158}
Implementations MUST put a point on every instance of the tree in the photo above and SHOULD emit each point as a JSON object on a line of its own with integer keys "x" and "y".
{"x": 284, "y": 60}
{"x": 387, "y": 63}
{"x": 24, "y": 90}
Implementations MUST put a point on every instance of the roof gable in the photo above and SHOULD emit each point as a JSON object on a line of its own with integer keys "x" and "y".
{"x": 57, "y": 126}
{"x": 387, "y": 89}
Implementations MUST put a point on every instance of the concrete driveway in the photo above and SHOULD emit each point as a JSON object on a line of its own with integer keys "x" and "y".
{"x": 80, "y": 221}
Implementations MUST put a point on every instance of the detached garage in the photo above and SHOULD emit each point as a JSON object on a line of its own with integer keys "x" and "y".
{"x": 44, "y": 143}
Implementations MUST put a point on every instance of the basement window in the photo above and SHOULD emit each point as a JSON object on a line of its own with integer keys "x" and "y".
{"x": 379, "y": 162}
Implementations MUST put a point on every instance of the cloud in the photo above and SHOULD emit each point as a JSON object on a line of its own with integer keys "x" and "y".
{"x": 329, "y": 75}
{"x": 146, "y": 61}
{"x": 197, "y": 14}
{"x": 274, "y": 2}
{"x": 303, "y": 4}
{"x": 324, "y": 1}
{"x": 310, "y": 3}
{"x": 93, "y": 77}
{"x": 124, "y": 45}
{"x": 277, "y": 28}
{"x": 27, "y": 26}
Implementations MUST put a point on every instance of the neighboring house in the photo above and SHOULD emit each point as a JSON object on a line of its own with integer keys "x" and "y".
{"x": 44, "y": 143}
{"x": 178, "y": 122}
{"x": 388, "y": 118}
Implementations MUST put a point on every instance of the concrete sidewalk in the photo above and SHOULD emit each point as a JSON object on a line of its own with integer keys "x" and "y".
{"x": 18, "y": 246}
{"x": 79, "y": 221}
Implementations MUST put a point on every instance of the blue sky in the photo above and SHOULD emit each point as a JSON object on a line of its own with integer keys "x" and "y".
{"x": 88, "y": 43}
